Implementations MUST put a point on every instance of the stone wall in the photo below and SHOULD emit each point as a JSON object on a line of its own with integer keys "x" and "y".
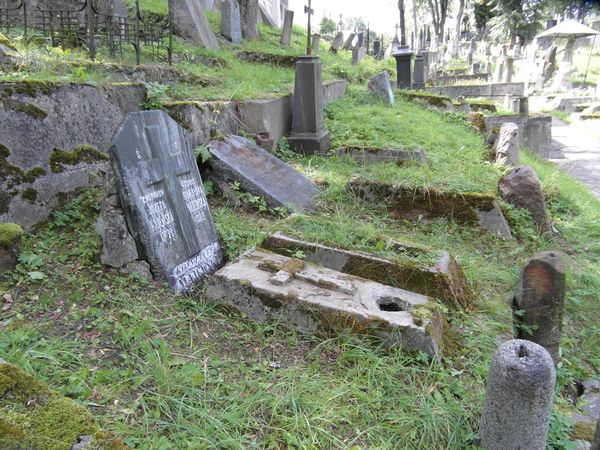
{"x": 494, "y": 91}
{"x": 535, "y": 130}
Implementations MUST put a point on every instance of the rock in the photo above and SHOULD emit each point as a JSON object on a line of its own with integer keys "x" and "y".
{"x": 349, "y": 40}
{"x": 190, "y": 22}
{"x": 142, "y": 268}
{"x": 314, "y": 298}
{"x": 231, "y": 25}
{"x": 9, "y": 55}
{"x": 507, "y": 145}
{"x": 260, "y": 173}
{"x": 521, "y": 188}
{"x": 589, "y": 402}
{"x": 539, "y": 301}
{"x": 519, "y": 395}
{"x": 596, "y": 441}
{"x": 381, "y": 86}
{"x": 83, "y": 443}
{"x": 10, "y": 246}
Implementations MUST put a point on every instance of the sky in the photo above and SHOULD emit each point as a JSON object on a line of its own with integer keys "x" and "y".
{"x": 382, "y": 15}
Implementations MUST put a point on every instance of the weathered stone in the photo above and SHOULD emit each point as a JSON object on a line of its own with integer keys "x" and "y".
{"x": 539, "y": 301}
{"x": 231, "y": 25}
{"x": 479, "y": 210}
{"x": 381, "y": 155}
{"x": 83, "y": 443}
{"x": 596, "y": 441}
{"x": 444, "y": 280}
{"x": 418, "y": 81}
{"x": 381, "y": 86}
{"x": 521, "y": 188}
{"x": 237, "y": 159}
{"x": 314, "y": 298}
{"x": 348, "y": 42}
{"x": 268, "y": 58}
{"x": 507, "y": 145}
{"x": 190, "y": 22}
{"x": 337, "y": 42}
{"x": 249, "y": 13}
{"x": 403, "y": 59}
{"x": 142, "y": 268}
{"x": 205, "y": 120}
{"x": 9, "y": 55}
{"x": 10, "y": 246}
{"x": 265, "y": 16}
{"x": 316, "y": 43}
{"x": 286, "y": 31}
{"x": 549, "y": 65}
{"x": 519, "y": 395}
{"x": 163, "y": 198}
{"x": 308, "y": 125}
{"x": 357, "y": 55}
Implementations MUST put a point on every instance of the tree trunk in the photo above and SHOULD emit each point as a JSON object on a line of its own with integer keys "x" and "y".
{"x": 249, "y": 16}
{"x": 456, "y": 41}
{"x": 439, "y": 10}
{"x": 415, "y": 29}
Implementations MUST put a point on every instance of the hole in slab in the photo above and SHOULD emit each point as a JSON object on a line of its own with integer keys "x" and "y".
{"x": 391, "y": 304}
{"x": 523, "y": 352}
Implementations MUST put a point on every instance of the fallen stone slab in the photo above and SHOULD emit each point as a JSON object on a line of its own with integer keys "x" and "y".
{"x": 382, "y": 155}
{"x": 467, "y": 208}
{"x": 267, "y": 286}
{"x": 237, "y": 159}
{"x": 443, "y": 280}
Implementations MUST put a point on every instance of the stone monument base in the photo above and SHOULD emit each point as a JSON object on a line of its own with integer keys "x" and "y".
{"x": 309, "y": 143}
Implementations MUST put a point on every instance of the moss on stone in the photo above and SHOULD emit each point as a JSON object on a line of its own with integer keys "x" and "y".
{"x": 584, "y": 431}
{"x": 26, "y": 108}
{"x": 33, "y": 174}
{"x": 8, "y": 233}
{"x": 6, "y": 42}
{"x": 29, "y": 194}
{"x": 4, "y": 151}
{"x": 83, "y": 153}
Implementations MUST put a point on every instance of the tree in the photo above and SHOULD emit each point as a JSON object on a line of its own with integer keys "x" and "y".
{"x": 521, "y": 18}
{"x": 356, "y": 24}
{"x": 456, "y": 41}
{"x": 439, "y": 12}
{"x": 327, "y": 27}
{"x": 484, "y": 12}
{"x": 576, "y": 9}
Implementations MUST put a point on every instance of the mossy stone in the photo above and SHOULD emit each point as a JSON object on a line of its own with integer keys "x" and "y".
{"x": 9, "y": 232}
{"x": 26, "y": 108}
{"x": 83, "y": 153}
{"x": 29, "y": 194}
{"x": 6, "y": 42}
{"x": 33, "y": 174}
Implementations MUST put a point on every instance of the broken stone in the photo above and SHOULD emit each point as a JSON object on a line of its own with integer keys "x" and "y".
{"x": 190, "y": 22}
{"x": 320, "y": 299}
{"x": 444, "y": 280}
{"x": 10, "y": 246}
{"x": 337, "y": 42}
{"x": 507, "y": 145}
{"x": 539, "y": 301}
{"x": 260, "y": 173}
{"x": 381, "y": 86}
{"x": 521, "y": 188}
{"x": 382, "y": 155}
{"x": 472, "y": 209}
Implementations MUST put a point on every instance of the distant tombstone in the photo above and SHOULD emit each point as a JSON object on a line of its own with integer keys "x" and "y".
{"x": 348, "y": 42}
{"x": 381, "y": 86}
{"x": 231, "y": 26}
{"x": 316, "y": 43}
{"x": 507, "y": 145}
{"x": 337, "y": 42}
{"x": 499, "y": 75}
{"x": 163, "y": 199}
{"x": 418, "y": 73}
{"x": 360, "y": 40}
{"x": 358, "y": 54}
{"x": 508, "y": 70}
{"x": 190, "y": 22}
{"x": 286, "y": 32}
{"x": 549, "y": 64}
{"x": 476, "y": 68}
{"x": 376, "y": 47}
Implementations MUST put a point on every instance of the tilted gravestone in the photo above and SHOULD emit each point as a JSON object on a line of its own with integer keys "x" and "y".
{"x": 337, "y": 42}
{"x": 357, "y": 55}
{"x": 231, "y": 25}
{"x": 381, "y": 86}
{"x": 348, "y": 42}
{"x": 190, "y": 22}
{"x": 163, "y": 199}
{"x": 286, "y": 32}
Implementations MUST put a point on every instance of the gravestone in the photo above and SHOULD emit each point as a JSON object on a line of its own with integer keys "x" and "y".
{"x": 381, "y": 86}
{"x": 418, "y": 73}
{"x": 231, "y": 25}
{"x": 190, "y": 22}
{"x": 316, "y": 43}
{"x": 286, "y": 32}
{"x": 348, "y": 42}
{"x": 549, "y": 64}
{"x": 337, "y": 42}
{"x": 376, "y": 48}
{"x": 508, "y": 69}
{"x": 518, "y": 399}
{"x": 237, "y": 159}
{"x": 539, "y": 301}
{"x": 357, "y": 55}
{"x": 360, "y": 40}
{"x": 249, "y": 13}
{"x": 507, "y": 145}
{"x": 163, "y": 199}
{"x": 265, "y": 16}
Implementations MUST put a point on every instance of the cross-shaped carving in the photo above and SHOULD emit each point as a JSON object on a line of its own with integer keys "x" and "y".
{"x": 308, "y": 10}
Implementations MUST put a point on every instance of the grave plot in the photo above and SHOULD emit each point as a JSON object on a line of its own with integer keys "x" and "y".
{"x": 443, "y": 280}
{"x": 471, "y": 209}
{"x": 398, "y": 156}
{"x": 271, "y": 287}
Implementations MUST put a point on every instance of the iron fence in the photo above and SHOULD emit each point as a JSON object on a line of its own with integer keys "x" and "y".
{"x": 90, "y": 24}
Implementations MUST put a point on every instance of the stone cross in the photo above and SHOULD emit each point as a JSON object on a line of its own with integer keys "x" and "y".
{"x": 308, "y": 10}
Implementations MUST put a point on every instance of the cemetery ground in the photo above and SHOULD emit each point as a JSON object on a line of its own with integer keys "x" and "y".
{"x": 167, "y": 370}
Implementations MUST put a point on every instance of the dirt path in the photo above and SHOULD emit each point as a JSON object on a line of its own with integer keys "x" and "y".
{"x": 577, "y": 150}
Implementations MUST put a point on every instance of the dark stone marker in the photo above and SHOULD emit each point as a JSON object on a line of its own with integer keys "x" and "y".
{"x": 539, "y": 299}
{"x": 403, "y": 59}
{"x": 262, "y": 174}
{"x": 163, "y": 199}
{"x": 376, "y": 47}
{"x": 518, "y": 400}
{"x": 308, "y": 128}
{"x": 337, "y": 42}
{"x": 231, "y": 25}
{"x": 316, "y": 43}
{"x": 286, "y": 31}
{"x": 418, "y": 73}
{"x": 190, "y": 22}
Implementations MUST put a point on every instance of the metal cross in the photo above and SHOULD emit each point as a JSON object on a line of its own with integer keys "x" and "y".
{"x": 308, "y": 10}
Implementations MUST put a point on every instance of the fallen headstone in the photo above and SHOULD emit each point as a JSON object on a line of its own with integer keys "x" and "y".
{"x": 237, "y": 159}
{"x": 163, "y": 199}
{"x": 472, "y": 209}
{"x": 518, "y": 400}
{"x": 267, "y": 286}
{"x": 521, "y": 188}
{"x": 381, "y": 86}
{"x": 337, "y": 42}
{"x": 190, "y": 22}
{"x": 10, "y": 246}
{"x": 381, "y": 155}
{"x": 286, "y": 31}
{"x": 443, "y": 280}
{"x": 539, "y": 301}
{"x": 507, "y": 145}
{"x": 231, "y": 26}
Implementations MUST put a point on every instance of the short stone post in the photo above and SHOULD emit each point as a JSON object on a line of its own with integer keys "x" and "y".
{"x": 507, "y": 145}
{"x": 286, "y": 32}
{"x": 539, "y": 301}
{"x": 518, "y": 400}
{"x": 10, "y": 246}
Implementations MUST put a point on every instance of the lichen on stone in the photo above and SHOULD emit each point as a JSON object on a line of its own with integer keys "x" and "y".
{"x": 8, "y": 233}
{"x": 33, "y": 174}
{"x": 83, "y": 153}
{"x": 29, "y": 194}
{"x": 26, "y": 108}
{"x": 6, "y": 42}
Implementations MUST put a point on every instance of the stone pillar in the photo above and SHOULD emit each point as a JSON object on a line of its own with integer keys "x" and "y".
{"x": 507, "y": 145}
{"x": 358, "y": 54}
{"x": 231, "y": 26}
{"x": 418, "y": 73}
{"x": 10, "y": 246}
{"x": 509, "y": 69}
{"x": 308, "y": 129}
{"x": 518, "y": 400}
{"x": 403, "y": 59}
{"x": 316, "y": 43}
{"x": 539, "y": 301}
{"x": 286, "y": 32}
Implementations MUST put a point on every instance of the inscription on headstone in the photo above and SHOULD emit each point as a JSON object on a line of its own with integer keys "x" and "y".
{"x": 163, "y": 199}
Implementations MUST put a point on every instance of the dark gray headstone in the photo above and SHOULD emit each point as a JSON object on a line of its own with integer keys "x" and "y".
{"x": 190, "y": 22}
{"x": 316, "y": 43}
{"x": 286, "y": 32}
{"x": 357, "y": 55}
{"x": 418, "y": 73}
{"x": 404, "y": 76}
{"x": 163, "y": 199}
{"x": 348, "y": 42}
{"x": 376, "y": 47}
{"x": 260, "y": 173}
{"x": 518, "y": 400}
{"x": 231, "y": 25}
{"x": 250, "y": 13}
{"x": 337, "y": 42}
{"x": 381, "y": 86}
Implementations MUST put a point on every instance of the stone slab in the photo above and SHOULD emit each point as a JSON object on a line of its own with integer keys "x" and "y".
{"x": 476, "y": 210}
{"x": 443, "y": 280}
{"x": 381, "y": 86}
{"x": 231, "y": 22}
{"x": 261, "y": 173}
{"x": 271, "y": 287}
{"x": 163, "y": 199}
{"x": 205, "y": 120}
{"x": 383, "y": 155}
{"x": 190, "y": 22}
